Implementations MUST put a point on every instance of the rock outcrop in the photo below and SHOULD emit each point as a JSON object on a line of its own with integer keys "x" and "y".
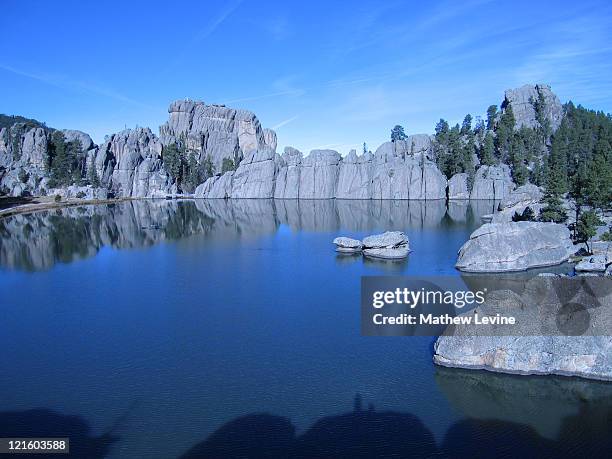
{"x": 130, "y": 163}
{"x": 517, "y": 201}
{"x": 524, "y": 101}
{"x": 324, "y": 174}
{"x": 389, "y": 245}
{"x": 215, "y": 131}
{"x": 595, "y": 263}
{"x": 501, "y": 247}
{"x": 585, "y": 356}
{"x": 458, "y": 186}
{"x": 492, "y": 182}
{"x": 347, "y": 245}
{"x": 541, "y": 340}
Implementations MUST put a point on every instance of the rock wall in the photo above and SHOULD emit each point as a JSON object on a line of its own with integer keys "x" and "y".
{"x": 130, "y": 163}
{"x": 215, "y": 131}
{"x": 523, "y": 102}
{"x": 391, "y": 173}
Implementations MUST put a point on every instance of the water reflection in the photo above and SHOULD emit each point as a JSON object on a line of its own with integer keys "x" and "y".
{"x": 544, "y": 404}
{"x": 38, "y": 241}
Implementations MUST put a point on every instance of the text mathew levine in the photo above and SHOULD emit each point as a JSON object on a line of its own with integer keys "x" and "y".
{"x": 444, "y": 319}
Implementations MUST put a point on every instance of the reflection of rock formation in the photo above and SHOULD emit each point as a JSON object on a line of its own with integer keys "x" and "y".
{"x": 541, "y": 403}
{"x": 39, "y": 240}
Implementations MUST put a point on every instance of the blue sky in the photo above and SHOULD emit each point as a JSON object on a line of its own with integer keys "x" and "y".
{"x": 322, "y": 74}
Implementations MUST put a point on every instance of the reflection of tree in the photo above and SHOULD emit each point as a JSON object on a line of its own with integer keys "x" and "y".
{"x": 39, "y": 240}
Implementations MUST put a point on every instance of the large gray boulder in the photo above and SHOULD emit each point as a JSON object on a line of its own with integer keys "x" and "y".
{"x": 492, "y": 182}
{"x": 517, "y": 201}
{"x": 523, "y": 101}
{"x": 524, "y": 195}
{"x": 71, "y": 135}
{"x": 584, "y": 356}
{"x": 594, "y": 263}
{"x": 347, "y": 245}
{"x": 540, "y": 341}
{"x": 458, "y": 187}
{"x": 388, "y": 239}
{"x": 255, "y": 176}
{"x": 501, "y": 247}
{"x": 216, "y": 187}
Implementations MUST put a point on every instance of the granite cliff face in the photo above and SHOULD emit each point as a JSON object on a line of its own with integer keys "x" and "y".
{"x": 131, "y": 163}
{"x": 524, "y": 101}
{"x": 324, "y": 174}
{"x": 215, "y": 131}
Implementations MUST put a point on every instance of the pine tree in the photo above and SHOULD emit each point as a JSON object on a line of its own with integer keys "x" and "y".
{"x": 466, "y": 126}
{"x": 598, "y": 187}
{"x": 505, "y": 131}
{"x": 397, "y": 133}
{"x": 92, "y": 175}
{"x": 228, "y": 165}
{"x": 487, "y": 150}
{"x": 586, "y": 227}
{"x": 491, "y": 115}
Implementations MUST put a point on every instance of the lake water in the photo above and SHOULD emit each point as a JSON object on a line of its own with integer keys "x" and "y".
{"x": 155, "y": 324}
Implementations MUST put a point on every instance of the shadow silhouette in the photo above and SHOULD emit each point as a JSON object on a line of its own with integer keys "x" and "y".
{"x": 43, "y": 423}
{"x": 385, "y": 434}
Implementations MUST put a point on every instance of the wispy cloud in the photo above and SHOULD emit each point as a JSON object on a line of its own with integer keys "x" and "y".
{"x": 285, "y": 122}
{"x": 64, "y": 82}
{"x": 264, "y": 96}
{"x": 205, "y": 32}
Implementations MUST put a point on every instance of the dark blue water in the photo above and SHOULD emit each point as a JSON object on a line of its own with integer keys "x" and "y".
{"x": 158, "y": 323}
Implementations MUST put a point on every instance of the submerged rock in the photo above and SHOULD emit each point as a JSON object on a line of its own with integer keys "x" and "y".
{"x": 500, "y": 247}
{"x": 390, "y": 253}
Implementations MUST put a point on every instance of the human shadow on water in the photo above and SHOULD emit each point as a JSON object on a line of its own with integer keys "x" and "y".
{"x": 355, "y": 434}
{"x": 370, "y": 433}
{"x": 43, "y": 423}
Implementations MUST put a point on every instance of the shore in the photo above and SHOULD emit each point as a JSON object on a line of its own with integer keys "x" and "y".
{"x": 17, "y": 206}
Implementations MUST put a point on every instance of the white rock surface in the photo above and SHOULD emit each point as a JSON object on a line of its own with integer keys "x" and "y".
{"x": 347, "y": 245}
{"x": 501, "y": 247}
{"x": 388, "y": 239}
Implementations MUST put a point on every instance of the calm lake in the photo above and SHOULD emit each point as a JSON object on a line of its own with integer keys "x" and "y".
{"x": 156, "y": 323}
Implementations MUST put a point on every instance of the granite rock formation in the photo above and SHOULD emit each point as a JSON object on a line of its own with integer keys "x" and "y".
{"x": 501, "y": 247}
